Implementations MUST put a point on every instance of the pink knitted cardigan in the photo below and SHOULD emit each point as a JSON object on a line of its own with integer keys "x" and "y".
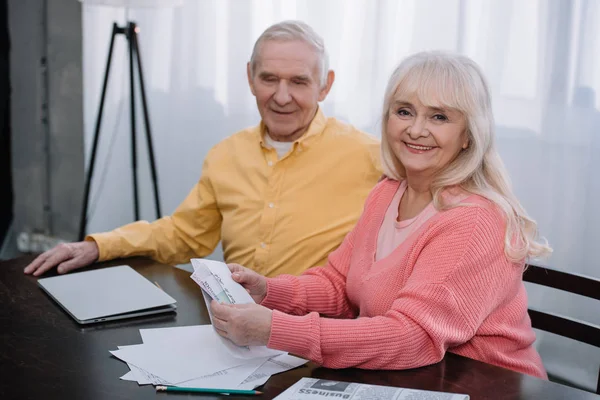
{"x": 448, "y": 287}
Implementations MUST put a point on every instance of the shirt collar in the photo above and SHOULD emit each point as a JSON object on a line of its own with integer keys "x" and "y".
{"x": 316, "y": 128}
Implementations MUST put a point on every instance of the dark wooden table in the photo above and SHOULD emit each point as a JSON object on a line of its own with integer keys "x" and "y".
{"x": 44, "y": 354}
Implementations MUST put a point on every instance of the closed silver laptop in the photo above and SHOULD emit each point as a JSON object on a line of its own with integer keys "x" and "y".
{"x": 107, "y": 294}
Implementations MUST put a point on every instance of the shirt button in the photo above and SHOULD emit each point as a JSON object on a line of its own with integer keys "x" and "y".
{"x": 271, "y": 205}
{"x": 263, "y": 245}
{"x": 270, "y": 163}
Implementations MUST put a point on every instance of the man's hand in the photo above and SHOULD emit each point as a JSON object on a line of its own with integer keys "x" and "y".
{"x": 253, "y": 282}
{"x": 65, "y": 256}
{"x": 243, "y": 324}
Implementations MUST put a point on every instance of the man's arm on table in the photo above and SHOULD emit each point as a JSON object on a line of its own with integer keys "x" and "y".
{"x": 193, "y": 230}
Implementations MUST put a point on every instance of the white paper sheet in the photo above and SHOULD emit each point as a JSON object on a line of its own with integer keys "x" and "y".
{"x": 144, "y": 377}
{"x": 183, "y": 357}
{"x": 190, "y": 333}
{"x": 273, "y": 366}
{"x": 254, "y": 384}
{"x": 129, "y": 377}
{"x": 139, "y": 375}
{"x": 247, "y": 375}
{"x": 225, "y": 379}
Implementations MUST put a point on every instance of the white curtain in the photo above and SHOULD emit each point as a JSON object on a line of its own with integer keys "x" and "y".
{"x": 542, "y": 58}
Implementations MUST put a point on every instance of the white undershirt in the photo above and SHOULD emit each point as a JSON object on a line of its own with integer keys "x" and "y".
{"x": 281, "y": 148}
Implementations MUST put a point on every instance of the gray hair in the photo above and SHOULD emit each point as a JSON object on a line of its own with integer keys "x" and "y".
{"x": 287, "y": 31}
{"x": 456, "y": 82}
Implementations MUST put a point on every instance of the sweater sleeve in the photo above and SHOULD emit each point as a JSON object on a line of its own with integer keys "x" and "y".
{"x": 459, "y": 277}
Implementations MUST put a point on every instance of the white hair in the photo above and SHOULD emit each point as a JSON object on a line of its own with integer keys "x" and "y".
{"x": 287, "y": 31}
{"x": 454, "y": 81}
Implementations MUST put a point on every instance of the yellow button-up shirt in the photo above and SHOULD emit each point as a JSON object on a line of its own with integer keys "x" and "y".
{"x": 273, "y": 215}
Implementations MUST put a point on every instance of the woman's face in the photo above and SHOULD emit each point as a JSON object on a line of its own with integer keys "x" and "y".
{"x": 425, "y": 139}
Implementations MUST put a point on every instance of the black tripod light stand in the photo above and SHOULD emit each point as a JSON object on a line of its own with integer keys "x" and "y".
{"x": 131, "y": 33}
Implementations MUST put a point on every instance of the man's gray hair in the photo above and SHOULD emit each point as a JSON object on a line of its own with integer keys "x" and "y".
{"x": 287, "y": 31}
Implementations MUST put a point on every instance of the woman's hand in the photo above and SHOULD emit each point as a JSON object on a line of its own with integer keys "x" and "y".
{"x": 243, "y": 324}
{"x": 253, "y": 282}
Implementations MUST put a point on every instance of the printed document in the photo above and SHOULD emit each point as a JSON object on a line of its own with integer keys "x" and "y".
{"x": 215, "y": 280}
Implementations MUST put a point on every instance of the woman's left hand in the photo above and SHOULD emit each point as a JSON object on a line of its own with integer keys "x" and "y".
{"x": 243, "y": 324}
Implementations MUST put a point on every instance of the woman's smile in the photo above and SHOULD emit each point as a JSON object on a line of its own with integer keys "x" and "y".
{"x": 417, "y": 148}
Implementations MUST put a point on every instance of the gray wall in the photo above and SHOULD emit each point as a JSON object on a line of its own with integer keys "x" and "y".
{"x": 47, "y": 115}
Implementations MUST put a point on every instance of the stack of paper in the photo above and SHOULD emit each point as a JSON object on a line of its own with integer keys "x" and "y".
{"x": 193, "y": 356}
{"x": 197, "y": 356}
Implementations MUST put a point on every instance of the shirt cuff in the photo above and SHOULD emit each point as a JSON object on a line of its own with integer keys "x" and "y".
{"x": 103, "y": 242}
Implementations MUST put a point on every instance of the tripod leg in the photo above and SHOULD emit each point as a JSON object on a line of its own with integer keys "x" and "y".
{"x": 90, "y": 171}
{"x": 147, "y": 124}
{"x": 130, "y": 36}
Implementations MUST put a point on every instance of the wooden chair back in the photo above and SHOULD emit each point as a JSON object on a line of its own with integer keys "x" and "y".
{"x": 559, "y": 324}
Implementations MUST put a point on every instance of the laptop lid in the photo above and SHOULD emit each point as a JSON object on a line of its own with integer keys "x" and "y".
{"x": 106, "y": 294}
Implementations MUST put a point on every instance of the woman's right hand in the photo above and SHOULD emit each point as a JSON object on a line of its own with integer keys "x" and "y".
{"x": 253, "y": 282}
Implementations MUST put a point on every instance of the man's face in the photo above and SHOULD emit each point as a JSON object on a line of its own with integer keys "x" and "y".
{"x": 287, "y": 88}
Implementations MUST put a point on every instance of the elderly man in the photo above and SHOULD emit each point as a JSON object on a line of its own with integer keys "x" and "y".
{"x": 281, "y": 196}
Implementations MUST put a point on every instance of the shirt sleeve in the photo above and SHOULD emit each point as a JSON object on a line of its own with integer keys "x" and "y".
{"x": 441, "y": 307}
{"x": 193, "y": 230}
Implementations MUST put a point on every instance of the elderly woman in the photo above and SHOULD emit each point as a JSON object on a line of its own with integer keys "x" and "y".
{"x": 435, "y": 262}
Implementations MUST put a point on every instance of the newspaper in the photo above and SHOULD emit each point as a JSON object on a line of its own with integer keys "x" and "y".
{"x": 311, "y": 388}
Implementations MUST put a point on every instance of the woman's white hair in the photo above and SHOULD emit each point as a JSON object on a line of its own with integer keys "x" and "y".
{"x": 287, "y": 31}
{"x": 454, "y": 81}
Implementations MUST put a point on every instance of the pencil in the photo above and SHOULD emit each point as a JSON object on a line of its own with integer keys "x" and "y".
{"x": 206, "y": 390}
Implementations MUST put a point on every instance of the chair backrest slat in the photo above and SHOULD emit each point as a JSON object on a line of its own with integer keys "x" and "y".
{"x": 567, "y": 327}
{"x": 559, "y": 325}
{"x": 572, "y": 283}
